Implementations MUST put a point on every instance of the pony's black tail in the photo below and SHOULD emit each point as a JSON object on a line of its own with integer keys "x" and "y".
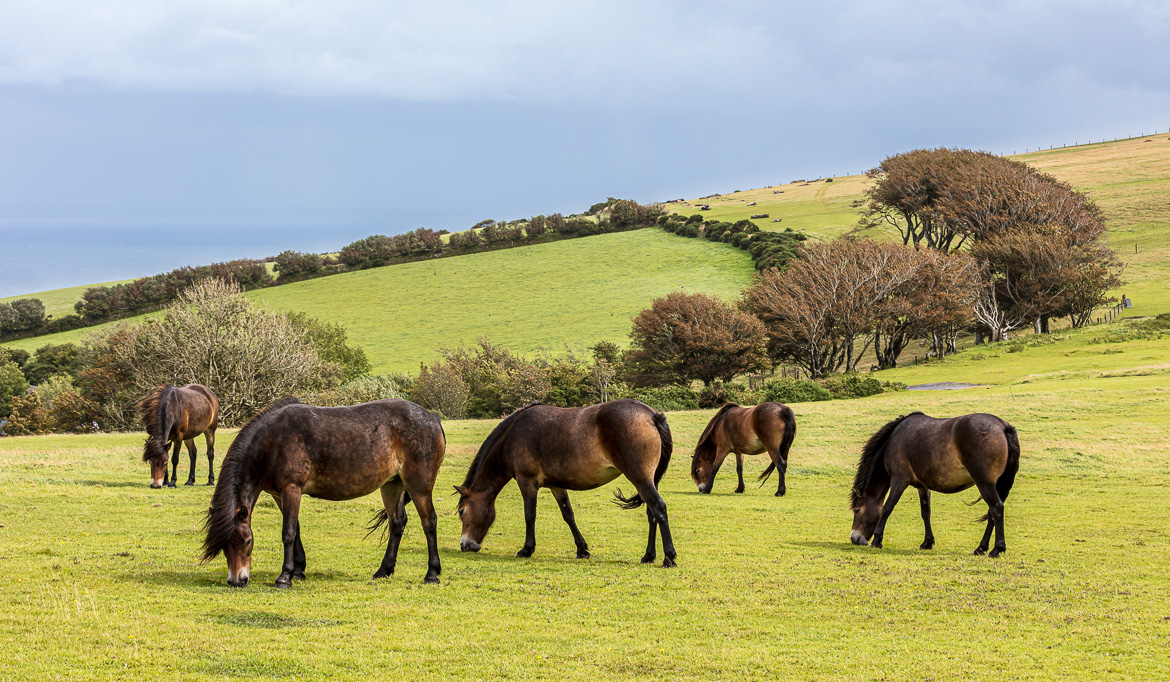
{"x": 663, "y": 460}
{"x": 785, "y": 442}
{"x": 381, "y": 518}
{"x": 1007, "y": 479}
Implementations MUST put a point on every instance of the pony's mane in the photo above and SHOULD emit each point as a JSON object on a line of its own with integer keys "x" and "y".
{"x": 152, "y": 409}
{"x": 489, "y": 445}
{"x": 873, "y": 460}
{"x": 707, "y": 437}
{"x": 220, "y": 521}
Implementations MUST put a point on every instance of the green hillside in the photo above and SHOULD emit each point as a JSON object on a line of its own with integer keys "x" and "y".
{"x": 577, "y": 291}
{"x": 60, "y": 302}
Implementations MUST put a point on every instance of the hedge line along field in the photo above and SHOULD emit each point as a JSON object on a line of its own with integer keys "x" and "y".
{"x": 101, "y": 581}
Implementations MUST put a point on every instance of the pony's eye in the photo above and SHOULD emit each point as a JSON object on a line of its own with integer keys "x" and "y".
{"x": 461, "y": 510}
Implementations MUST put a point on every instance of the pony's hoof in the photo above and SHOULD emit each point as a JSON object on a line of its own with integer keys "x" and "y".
{"x": 739, "y": 489}
{"x": 648, "y": 559}
{"x": 299, "y": 575}
{"x": 431, "y": 580}
{"x": 980, "y": 551}
{"x": 876, "y": 544}
{"x": 383, "y": 573}
{"x": 994, "y": 554}
{"x": 668, "y": 563}
{"x": 524, "y": 553}
{"x": 191, "y": 482}
{"x": 583, "y": 554}
{"x": 283, "y": 583}
{"x": 780, "y": 493}
{"x": 927, "y": 545}
{"x": 211, "y": 482}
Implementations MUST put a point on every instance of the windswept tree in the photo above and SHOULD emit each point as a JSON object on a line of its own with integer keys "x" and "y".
{"x": 212, "y": 335}
{"x": 684, "y": 336}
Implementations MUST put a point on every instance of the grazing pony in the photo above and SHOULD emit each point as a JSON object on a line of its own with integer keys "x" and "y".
{"x": 947, "y": 455}
{"x": 334, "y": 453}
{"x": 178, "y": 414}
{"x": 561, "y": 449}
{"x": 767, "y": 427}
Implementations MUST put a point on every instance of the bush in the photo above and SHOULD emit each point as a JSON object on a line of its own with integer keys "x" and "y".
{"x": 365, "y": 389}
{"x": 28, "y": 417}
{"x": 669, "y": 398}
{"x": 441, "y": 389}
{"x": 64, "y": 358}
{"x": 12, "y": 384}
{"x": 292, "y": 264}
{"x": 794, "y": 391}
{"x": 74, "y": 413}
{"x": 851, "y": 385}
{"x": 329, "y": 338}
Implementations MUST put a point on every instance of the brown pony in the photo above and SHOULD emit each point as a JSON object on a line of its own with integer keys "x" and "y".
{"x": 178, "y": 415}
{"x": 561, "y": 449}
{"x": 947, "y": 455}
{"x": 766, "y": 427}
{"x": 334, "y": 453}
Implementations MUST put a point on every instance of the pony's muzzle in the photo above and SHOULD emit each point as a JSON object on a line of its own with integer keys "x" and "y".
{"x": 858, "y": 539}
{"x": 703, "y": 489}
{"x": 466, "y": 544}
{"x": 239, "y": 580}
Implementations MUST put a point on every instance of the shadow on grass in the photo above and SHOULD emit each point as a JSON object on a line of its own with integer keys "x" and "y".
{"x": 849, "y": 547}
{"x": 114, "y": 484}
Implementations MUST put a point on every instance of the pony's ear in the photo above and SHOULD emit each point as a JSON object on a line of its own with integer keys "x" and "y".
{"x": 461, "y": 489}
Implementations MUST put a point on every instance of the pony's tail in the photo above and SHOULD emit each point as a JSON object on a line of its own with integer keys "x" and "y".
{"x": 380, "y": 519}
{"x": 785, "y": 442}
{"x": 1003, "y": 485}
{"x": 663, "y": 460}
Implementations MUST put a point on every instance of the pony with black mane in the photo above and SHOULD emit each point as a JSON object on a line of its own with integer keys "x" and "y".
{"x": 178, "y": 414}
{"x": 767, "y": 427}
{"x": 563, "y": 449}
{"x": 333, "y": 453}
{"x": 945, "y": 455}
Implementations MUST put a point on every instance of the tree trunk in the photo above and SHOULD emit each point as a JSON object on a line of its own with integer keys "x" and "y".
{"x": 1044, "y": 324}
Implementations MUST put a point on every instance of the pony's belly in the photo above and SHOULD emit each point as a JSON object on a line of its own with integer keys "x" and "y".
{"x": 338, "y": 493}
{"x": 754, "y": 447}
{"x": 591, "y": 480}
{"x": 952, "y": 482}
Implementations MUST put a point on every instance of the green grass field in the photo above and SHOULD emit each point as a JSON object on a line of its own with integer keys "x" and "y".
{"x": 100, "y": 579}
{"x": 59, "y": 302}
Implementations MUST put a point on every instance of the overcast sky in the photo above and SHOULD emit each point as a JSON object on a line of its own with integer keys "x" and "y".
{"x": 369, "y": 116}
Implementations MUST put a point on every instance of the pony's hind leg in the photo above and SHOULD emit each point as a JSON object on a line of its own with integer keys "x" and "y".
{"x": 562, "y": 499}
{"x": 430, "y": 523}
{"x": 739, "y": 471}
{"x": 656, "y": 513}
{"x": 924, "y": 502}
{"x": 994, "y": 521}
{"x": 190, "y": 442}
{"x": 394, "y": 499}
{"x": 210, "y": 436}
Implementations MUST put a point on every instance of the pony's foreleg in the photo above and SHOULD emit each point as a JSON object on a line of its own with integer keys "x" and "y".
{"x": 210, "y": 436}
{"x": 562, "y": 499}
{"x": 290, "y": 508}
{"x": 994, "y": 520}
{"x": 192, "y": 453}
{"x": 924, "y": 503}
{"x": 739, "y": 471}
{"x": 394, "y": 499}
{"x": 897, "y": 487}
{"x": 175, "y": 463}
{"x": 298, "y": 548}
{"x": 528, "y": 490}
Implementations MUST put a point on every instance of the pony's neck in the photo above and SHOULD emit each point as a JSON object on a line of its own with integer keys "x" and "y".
{"x": 491, "y": 478}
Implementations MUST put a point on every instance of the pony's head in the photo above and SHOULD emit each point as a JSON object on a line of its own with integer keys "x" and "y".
{"x": 154, "y": 453}
{"x": 477, "y": 510}
{"x": 703, "y": 466}
{"x": 230, "y": 533}
{"x": 867, "y": 510}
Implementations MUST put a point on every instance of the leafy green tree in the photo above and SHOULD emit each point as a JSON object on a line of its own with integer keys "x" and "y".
{"x": 12, "y": 384}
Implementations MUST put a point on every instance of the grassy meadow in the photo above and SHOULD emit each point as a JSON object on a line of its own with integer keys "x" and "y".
{"x": 101, "y": 579}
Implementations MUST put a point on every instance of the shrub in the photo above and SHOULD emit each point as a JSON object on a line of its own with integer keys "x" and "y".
{"x": 669, "y": 398}
{"x": 291, "y": 264}
{"x": 329, "y": 338}
{"x": 74, "y": 413}
{"x": 65, "y": 358}
{"x": 365, "y": 389}
{"x": 27, "y": 416}
{"x": 12, "y": 384}
{"x": 441, "y": 389}
{"x": 794, "y": 391}
{"x": 851, "y": 385}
